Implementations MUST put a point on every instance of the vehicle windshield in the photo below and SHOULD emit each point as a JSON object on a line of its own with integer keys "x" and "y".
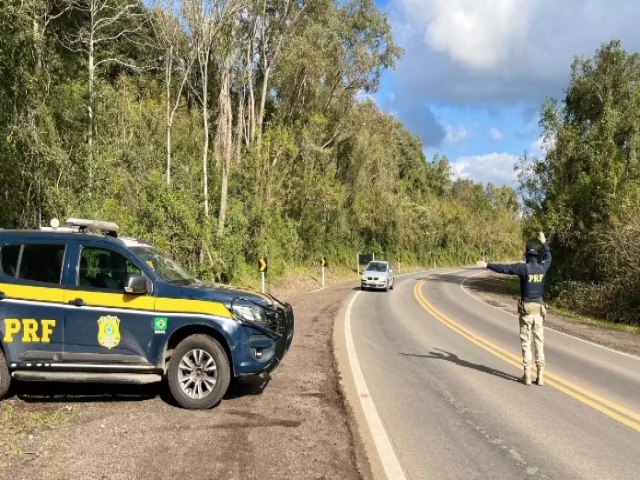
{"x": 377, "y": 267}
{"x": 168, "y": 269}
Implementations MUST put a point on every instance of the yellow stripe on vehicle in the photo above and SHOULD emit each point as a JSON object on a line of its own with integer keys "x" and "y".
{"x": 115, "y": 300}
{"x": 603, "y": 405}
{"x": 27, "y": 292}
{"x": 111, "y": 299}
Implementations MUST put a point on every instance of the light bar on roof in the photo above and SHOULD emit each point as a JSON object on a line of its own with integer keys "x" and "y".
{"x": 109, "y": 228}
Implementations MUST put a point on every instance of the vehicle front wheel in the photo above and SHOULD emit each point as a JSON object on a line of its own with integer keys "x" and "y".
{"x": 5, "y": 376}
{"x": 199, "y": 372}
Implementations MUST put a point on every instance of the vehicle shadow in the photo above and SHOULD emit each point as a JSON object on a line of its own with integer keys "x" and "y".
{"x": 452, "y": 357}
{"x": 249, "y": 385}
{"x": 59, "y": 392}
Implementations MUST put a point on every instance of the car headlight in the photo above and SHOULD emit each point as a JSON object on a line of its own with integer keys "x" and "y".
{"x": 364, "y": 277}
{"x": 250, "y": 313}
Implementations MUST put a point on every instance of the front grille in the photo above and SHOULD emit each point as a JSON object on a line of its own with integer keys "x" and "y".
{"x": 273, "y": 320}
{"x": 280, "y": 320}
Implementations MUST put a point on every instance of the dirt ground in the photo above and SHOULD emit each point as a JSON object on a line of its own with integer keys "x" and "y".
{"x": 292, "y": 425}
{"x": 491, "y": 287}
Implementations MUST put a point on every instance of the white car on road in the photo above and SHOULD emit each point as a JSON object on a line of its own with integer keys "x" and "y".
{"x": 377, "y": 275}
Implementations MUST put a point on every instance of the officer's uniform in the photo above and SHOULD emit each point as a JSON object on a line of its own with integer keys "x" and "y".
{"x": 531, "y": 306}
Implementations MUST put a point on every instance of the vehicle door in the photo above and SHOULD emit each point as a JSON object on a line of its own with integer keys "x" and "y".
{"x": 32, "y": 302}
{"x": 105, "y": 325}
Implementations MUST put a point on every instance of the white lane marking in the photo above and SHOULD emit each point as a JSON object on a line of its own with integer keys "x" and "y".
{"x": 388, "y": 458}
{"x": 624, "y": 354}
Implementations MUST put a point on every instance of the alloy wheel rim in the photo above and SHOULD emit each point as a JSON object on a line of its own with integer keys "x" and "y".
{"x": 197, "y": 374}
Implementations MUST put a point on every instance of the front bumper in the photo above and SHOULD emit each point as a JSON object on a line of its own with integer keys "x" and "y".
{"x": 264, "y": 348}
{"x": 379, "y": 284}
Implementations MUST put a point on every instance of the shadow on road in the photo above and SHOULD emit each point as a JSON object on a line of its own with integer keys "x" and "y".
{"x": 452, "y": 357}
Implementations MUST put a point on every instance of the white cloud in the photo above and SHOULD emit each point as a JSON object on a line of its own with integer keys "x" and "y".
{"x": 496, "y": 168}
{"x": 488, "y": 51}
{"x": 455, "y": 135}
{"x": 496, "y": 135}
{"x": 478, "y": 34}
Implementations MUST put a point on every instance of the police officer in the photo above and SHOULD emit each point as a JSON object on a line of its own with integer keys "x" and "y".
{"x": 531, "y": 306}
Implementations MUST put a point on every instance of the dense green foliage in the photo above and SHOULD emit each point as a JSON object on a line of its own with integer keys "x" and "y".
{"x": 111, "y": 123}
{"x": 586, "y": 190}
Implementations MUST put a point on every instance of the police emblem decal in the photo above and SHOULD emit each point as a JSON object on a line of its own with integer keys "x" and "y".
{"x": 109, "y": 331}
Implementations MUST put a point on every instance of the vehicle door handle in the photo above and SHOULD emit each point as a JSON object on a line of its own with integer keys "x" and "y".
{"x": 78, "y": 302}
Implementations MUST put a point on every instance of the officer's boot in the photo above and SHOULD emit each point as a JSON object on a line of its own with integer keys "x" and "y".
{"x": 540, "y": 377}
{"x": 526, "y": 378}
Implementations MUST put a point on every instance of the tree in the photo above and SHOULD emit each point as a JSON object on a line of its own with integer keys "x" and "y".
{"x": 98, "y": 28}
{"x": 171, "y": 40}
{"x": 592, "y": 169}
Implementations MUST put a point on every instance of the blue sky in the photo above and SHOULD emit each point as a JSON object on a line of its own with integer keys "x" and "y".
{"x": 475, "y": 72}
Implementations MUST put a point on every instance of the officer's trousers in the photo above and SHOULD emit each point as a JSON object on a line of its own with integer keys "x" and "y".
{"x": 531, "y": 324}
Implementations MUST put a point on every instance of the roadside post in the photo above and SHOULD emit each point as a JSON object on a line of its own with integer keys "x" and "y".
{"x": 324, "y": 264}
{"x": 263, "y": 268}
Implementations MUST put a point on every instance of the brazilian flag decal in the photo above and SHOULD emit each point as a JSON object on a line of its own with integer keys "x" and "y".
{"x": 160, "y": 325}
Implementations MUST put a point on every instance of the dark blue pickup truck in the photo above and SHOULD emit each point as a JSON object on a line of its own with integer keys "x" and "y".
{"x": 77, "y": 303}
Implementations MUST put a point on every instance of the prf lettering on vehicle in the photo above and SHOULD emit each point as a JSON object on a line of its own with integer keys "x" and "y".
{"x": 32, "y": 330}
{"x": 537, "y": 278}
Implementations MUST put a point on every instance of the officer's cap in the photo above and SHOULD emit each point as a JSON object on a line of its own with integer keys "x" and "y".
{"x": 531, "y": 251}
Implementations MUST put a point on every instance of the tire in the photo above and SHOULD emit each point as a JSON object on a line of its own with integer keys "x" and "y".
{"x": 5, "y": 376}
{"x": 199, "y": 373}
{"x": 363, "y": 288}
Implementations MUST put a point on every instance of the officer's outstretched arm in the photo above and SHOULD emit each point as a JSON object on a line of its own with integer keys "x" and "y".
{"x": 506, "y": 268}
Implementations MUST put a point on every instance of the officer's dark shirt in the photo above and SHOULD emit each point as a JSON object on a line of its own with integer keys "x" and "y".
{"x": 531, "y": 274}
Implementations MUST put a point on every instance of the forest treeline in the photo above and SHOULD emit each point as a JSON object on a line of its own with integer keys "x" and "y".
{"x": 227, "y": 130}
{"x": 586, "y": 190}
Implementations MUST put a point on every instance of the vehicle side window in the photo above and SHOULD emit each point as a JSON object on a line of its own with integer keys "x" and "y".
{"x": 9, "y": 259}
{"x": 104, "y": 269}
{"x": 41, "y": 263}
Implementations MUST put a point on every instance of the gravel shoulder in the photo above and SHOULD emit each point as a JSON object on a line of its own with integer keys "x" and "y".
{"x": 293, "y": 424}
{"x": 492, "y": 288}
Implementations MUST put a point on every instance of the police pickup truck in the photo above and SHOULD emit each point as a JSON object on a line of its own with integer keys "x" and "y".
{"x": 77, "y": 304}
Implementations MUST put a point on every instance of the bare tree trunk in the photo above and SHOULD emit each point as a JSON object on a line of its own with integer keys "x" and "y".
{"x": 239, "y": 125}
{"x": 205, "y": 124}
{"x": 224, "y": 141}
{"x": 90, "y": 107}
{"x": 251, "y": 121}
{"x": 168, "y": 71}
{"x": 263, "y": 101}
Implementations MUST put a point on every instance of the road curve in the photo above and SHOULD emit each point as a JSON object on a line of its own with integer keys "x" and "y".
{"x": 441, "y": 369}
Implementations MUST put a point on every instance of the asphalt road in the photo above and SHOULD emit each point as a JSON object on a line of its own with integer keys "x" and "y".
{"x": 441, "y": 368}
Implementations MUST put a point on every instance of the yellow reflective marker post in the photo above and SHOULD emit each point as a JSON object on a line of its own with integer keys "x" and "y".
{"x": 263, "y": 268}
{"x": 323, "y": 263}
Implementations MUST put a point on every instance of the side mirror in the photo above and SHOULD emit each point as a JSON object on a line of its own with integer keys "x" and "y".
{"x": 136, "y": 285}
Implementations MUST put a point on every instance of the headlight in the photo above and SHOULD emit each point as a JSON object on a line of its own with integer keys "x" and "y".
{"x": 364, "y": 277}
{"x": 249, "y": 313}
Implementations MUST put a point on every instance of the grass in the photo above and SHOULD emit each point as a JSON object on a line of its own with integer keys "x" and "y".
{"x": 20, "y": 422}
